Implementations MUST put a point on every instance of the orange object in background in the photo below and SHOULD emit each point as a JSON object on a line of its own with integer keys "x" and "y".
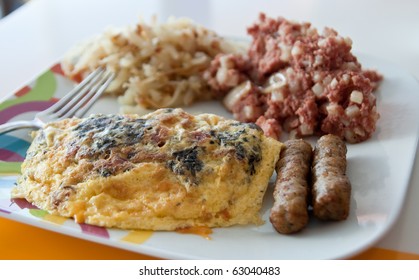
{"x": 23, "y": 242}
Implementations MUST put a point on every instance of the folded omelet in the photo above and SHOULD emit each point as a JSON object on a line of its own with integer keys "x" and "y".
{"x": 163, "y": 171}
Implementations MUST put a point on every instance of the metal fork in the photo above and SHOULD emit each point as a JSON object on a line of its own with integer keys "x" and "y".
{"x": 74, "y": 104}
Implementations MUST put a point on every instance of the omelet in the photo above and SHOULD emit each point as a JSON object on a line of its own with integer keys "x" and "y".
{"x": 166, "y": 170}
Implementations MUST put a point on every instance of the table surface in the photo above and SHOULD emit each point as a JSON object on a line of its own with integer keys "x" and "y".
{"x": 37, "y": 35}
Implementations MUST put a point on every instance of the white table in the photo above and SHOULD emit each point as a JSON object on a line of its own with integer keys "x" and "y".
{"x": 35, "y": 37}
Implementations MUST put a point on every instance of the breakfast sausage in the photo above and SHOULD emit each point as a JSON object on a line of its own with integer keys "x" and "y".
{"x": 289, "y": 213}
{"x": 331, "y": 188}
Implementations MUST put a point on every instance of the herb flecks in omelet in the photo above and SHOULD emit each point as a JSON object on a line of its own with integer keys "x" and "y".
{"x": 187, "y": 163}
{"x": 162, "y": 171}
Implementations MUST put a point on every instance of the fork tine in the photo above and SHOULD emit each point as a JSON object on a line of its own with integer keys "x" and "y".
{"x": 62, "y": 112}
{"x": 81, "y": 99}
{"x": 75, "y": 103}
{"x": 65, "y": 99}
{"x": 86, "y": 103}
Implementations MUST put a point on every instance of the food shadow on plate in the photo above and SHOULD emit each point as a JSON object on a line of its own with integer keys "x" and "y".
{"x": 394, "y": 112}
{"x": 368, "y": 184}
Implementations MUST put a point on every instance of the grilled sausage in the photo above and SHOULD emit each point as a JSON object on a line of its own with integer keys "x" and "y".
{"x": 331, "y": 188}
{"x": 289, "y": 213}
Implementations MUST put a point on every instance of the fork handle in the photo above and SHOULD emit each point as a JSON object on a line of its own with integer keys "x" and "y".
{"x": 7, "y": 127}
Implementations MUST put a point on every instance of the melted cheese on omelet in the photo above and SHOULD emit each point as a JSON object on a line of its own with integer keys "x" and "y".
{"x": 163, "y": 171}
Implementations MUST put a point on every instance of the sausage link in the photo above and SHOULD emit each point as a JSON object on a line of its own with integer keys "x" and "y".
{"x": 331, "y": 189}
{"x": 289, "y": 213}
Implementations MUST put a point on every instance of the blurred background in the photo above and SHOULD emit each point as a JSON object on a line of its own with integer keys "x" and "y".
{"x": 386, "y": 29}
{"x": 8, "y": 6}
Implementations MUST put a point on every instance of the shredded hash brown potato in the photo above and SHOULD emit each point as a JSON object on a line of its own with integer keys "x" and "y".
{"x": 157, "y": 65}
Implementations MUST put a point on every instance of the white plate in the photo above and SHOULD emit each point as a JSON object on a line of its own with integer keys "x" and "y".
{"x": 379, "y": 170}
